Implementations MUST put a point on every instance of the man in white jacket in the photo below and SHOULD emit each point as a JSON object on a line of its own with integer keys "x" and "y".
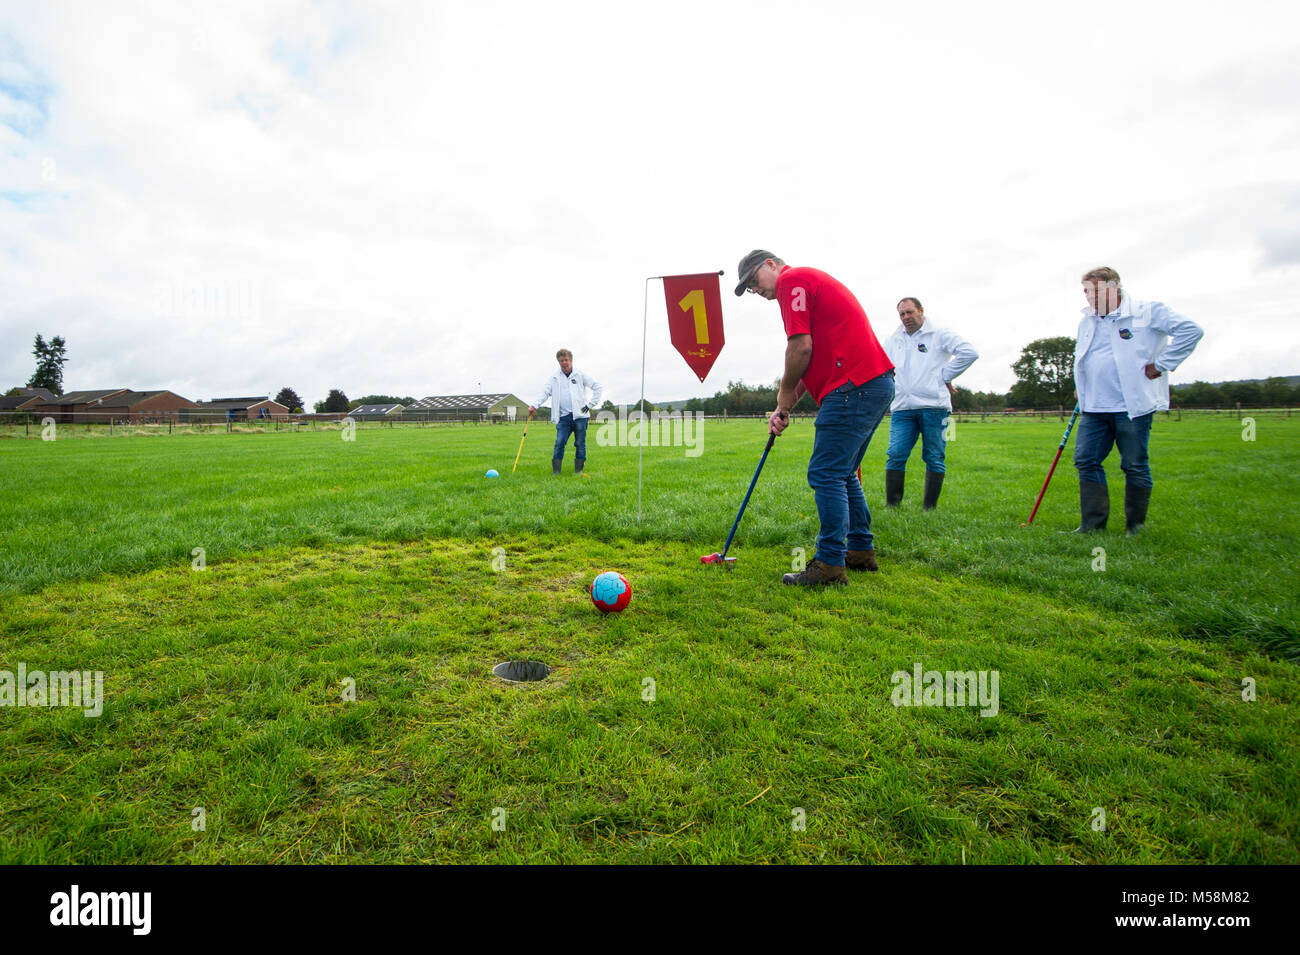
{"x": 1122, "y": 356}
{"x": 926, "y": 360}
{"x": 570, "y": 409}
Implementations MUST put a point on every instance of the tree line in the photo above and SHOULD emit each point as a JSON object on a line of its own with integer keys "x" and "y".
{"x": 1044, "y": 380}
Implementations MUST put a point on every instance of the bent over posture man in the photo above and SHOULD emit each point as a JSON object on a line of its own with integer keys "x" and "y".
{"x": 833, "y": 354}
{"x": 926, "y": 359}
{"x": 1121, "y": 359}
{"x": 570, "y": 409}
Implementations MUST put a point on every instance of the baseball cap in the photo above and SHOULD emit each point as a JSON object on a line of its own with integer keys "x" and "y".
{"x": 748, "y": 266}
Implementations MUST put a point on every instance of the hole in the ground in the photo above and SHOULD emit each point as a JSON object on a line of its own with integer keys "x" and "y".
{"x": 521, "y": 671}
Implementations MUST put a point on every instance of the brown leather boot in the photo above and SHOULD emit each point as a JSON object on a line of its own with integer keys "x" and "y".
{"x": 818, "y": 574}
{"x": 861, "y": 560}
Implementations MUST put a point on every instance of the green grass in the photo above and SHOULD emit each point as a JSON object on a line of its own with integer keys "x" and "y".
{"x": 371, "y": 561}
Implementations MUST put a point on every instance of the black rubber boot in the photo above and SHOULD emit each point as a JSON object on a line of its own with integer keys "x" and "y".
{"x": 1094, "y": 507}
{"x": 933, "y": 484}
{"x": 577, "y": 465}
{"x": 1136, "y": 500}
{"x": 894, "y": 488}
{"x": 555, "y": 465}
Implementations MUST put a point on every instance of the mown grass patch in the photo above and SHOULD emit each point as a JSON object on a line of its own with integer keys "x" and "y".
{"x": 225, "y": 691}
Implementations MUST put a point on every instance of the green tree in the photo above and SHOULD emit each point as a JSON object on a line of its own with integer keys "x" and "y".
{"x": 1277, "y": 393}
{"x": 1199, "y": 394}
{"x": 1246, "y": 393}
{"x": 1044, "y": 374}
{"x": 962, "y": 400}
{"x": 289, "y": 398}
{"x": 336, "y": 401}
{"x": 50, "y": 357}
{"x": 380, "y": 400}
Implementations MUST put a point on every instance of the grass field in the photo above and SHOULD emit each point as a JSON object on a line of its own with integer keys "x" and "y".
{"x": 378, "y": 564}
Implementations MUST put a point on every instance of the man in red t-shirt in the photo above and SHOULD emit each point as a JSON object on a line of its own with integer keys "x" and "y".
{"x": 832, "y": 354}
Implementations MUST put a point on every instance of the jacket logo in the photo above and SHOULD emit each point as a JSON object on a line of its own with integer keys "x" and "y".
{"x": 1125, "y": 334}
{"x": 921, "y": 347}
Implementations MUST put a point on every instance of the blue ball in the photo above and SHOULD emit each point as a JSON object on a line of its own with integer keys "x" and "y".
{"x": 492, "y": 472}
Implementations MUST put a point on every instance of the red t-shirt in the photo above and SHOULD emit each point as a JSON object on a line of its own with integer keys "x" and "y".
{"x": 844, "y": 346}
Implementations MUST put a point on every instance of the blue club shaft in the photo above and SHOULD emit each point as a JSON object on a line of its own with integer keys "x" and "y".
{"x": 770, "y": 439}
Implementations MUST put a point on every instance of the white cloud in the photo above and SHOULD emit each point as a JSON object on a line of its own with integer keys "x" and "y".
{"x": 417, "y": 198}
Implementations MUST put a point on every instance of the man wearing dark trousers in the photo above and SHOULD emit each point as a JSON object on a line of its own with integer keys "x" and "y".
{"x": 1122, "y": 358}
{"x": 832, "y": 354}
{"x": 570, "y": 409}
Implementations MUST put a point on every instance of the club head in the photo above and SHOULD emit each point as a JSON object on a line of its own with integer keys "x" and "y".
{"x": 716, "y": 558}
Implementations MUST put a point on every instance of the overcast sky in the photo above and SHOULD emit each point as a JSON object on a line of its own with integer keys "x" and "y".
{"x": 423, "y": 198}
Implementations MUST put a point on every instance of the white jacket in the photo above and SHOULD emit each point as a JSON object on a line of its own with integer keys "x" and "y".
{"x": 577, "y": 384}
{"x": 1143, "y": 333}
{"x": 924, "y": 363}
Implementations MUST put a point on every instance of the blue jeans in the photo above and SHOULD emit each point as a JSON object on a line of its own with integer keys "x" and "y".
{"x": 905, "y": 426}
{"x": 568, "y": 425}
{"x": 848, "y": 418}
{"x": 1098, "y": 433}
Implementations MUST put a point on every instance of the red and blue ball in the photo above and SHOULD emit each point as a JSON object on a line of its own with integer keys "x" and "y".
{"x": 611, "y": 592}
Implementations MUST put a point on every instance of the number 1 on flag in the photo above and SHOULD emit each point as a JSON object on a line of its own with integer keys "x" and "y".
{"x": 694, "y": 303}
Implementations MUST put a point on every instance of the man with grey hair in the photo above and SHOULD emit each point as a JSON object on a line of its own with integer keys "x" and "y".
{"x": 570, "y": 409}
{"x": 832, "y": 354}
{"x": 1122, "y": 357}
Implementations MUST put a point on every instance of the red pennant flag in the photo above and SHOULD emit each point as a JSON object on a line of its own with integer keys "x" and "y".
{"x": 695, "y": 319}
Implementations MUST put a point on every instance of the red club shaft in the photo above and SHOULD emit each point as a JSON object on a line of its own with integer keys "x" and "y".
{"x": 1052, "y": 470}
